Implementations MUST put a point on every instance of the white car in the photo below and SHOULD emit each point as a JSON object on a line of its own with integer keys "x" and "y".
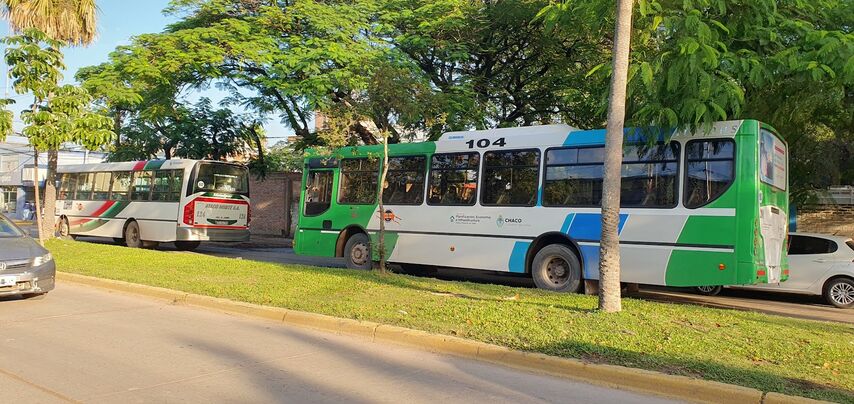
{"x": 818, "y": 265}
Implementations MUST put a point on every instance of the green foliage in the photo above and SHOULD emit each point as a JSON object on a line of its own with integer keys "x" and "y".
{"x": 6, "y": 118}
{"x": 67, "y": 117}
{"x": 35, "y": 63}
{"x": 279, "y": 158}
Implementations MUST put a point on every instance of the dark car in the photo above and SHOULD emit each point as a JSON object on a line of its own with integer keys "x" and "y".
{"x": 26, "y": 268}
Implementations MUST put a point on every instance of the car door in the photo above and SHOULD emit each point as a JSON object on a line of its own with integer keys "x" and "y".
{"x": 810, "y": 257}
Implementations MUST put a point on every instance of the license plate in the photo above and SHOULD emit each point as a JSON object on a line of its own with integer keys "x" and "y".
{"x": 6, "y": 281}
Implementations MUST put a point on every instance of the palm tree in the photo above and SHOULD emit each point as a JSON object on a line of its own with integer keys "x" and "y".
{"x": 609, "y": 250}
{"x": 70, "y": 22}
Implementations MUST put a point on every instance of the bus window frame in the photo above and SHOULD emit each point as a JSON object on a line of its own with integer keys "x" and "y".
{"x": 685, "y": 174}
{"x": 423, "y": 186}
{"x": 340, "y": 169}
{"x": 546, "y": 166}
{"x": 540, "y": 170}
{"x": 427, "y": 180}
{"x": 332, "y": 191}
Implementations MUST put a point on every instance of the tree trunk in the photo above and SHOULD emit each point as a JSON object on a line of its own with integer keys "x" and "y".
{"x": 49, "y": 220}
{"x": 118, "y": 116}
{"x": 38, "y": 202}
{"x": 383, "y": 174}
{"x": 609, "y": 250}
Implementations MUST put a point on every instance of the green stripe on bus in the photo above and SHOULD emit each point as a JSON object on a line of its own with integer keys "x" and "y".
{"x": 154, "y": 165}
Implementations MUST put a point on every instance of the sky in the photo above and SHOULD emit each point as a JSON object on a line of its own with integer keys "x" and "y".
{"x": 118, "y": 22}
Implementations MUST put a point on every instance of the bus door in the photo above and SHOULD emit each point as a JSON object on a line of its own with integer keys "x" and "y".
{"x": 317, "y": 192}
{"x": 773, "y": 202}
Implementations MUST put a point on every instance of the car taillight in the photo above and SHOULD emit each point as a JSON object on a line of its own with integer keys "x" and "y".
{"x": 189, "y": 213}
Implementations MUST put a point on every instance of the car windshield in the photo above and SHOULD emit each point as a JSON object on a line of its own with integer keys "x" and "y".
{"x": 7, "y": 229}
{"x": 221, "y": 178}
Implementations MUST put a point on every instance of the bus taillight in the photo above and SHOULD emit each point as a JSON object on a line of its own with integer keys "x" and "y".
{"x": 248, "y": 214}
{"x": 189, "y": 213}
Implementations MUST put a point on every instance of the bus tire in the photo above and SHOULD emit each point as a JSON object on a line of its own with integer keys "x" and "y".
{"x": 840, "y": 292}
{"x": 357, "y": 252}
{"x": 557, "y": 268}
{"x": 65, "y": 229}
{"x": 709, "y": 290}
{"x": 133, "y": 238}
{"x": 187, "y": 245}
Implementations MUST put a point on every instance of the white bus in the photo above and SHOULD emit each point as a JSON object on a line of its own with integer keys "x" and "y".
{"x": 144, "y": 203}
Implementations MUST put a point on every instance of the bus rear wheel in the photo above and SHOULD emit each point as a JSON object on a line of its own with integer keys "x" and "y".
{"x": 557, "y": 268}
{"x": 709, "y": 290}
{"x": 357, "y": 252}
{"x": 187, "y": 245}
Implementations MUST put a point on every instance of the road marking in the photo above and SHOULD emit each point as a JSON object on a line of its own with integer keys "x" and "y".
{"x": 39, "y": 387}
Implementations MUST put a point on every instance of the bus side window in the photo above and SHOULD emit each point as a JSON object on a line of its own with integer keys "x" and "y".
{"x": 84, "y": 186}
{"x": 318, "y": 192}
{"x": 141, "y": 186}
{"x": 162, "y": 186}
{"x": 510, "y": 178}
{"x": 710, "y": 170}
{"x": 101, "y": 187}
{"x": 573, "y": 176}
{"x": 650, "y": 176}
{"x": 175, "y": 188}
{"x": 121, "y": 185}
{"x": 359, "y": 178}
{"x": 453, "y": 179}
{"x": 68, "y": 186}
{"x": 404, "y": 184}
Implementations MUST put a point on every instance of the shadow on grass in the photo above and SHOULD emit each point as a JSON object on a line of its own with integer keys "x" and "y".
{"x": 754, "y": 378}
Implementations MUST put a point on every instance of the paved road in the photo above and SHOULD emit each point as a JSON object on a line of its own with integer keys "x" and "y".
{"x": 89, "y": 345}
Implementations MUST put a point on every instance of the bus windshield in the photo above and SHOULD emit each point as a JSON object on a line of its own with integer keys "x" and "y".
{"x": 221, "y": 178}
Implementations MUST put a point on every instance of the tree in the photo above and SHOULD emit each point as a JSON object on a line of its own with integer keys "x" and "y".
{"x": 57, "y": 115}
{"x": 71, "y": 22}
{"x": 35, "y": 63}
{"x": 609, "y": 247}
{"x": 68, "y": 22}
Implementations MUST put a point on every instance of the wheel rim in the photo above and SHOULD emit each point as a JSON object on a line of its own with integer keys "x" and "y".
{"x": 63, "y": 229}
{"x": 359, "y": 254}
{"x": 134, "y": 234}
{"x": 842, "y": 293}
{"x": 557, "y": 271}
{"x": 706, "y": 289}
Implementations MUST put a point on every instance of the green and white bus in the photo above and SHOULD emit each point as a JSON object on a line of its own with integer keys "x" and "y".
{"x": 706, "y": 208}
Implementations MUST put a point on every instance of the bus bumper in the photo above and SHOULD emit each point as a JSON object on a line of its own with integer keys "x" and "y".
{"x": 197, "y": 234}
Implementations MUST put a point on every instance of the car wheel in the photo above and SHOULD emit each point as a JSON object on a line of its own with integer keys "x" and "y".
{"x": 557, "y": 268}
{"x": 133, "y": 239}
{"x": 840, "y": 292}
{"x": 187, "y": 245}
{"x": 357, "y": 252}
{"x": 709, "y": 290}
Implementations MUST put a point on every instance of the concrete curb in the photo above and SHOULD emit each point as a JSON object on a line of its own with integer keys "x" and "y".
{"x": 638, "y": 380}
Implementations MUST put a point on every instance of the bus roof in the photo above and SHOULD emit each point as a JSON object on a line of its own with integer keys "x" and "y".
{"x": 133, "y": 166}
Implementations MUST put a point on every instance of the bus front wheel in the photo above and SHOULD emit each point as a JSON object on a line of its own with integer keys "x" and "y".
{"x": 357, "y": 252}
{"x": 557, "y": 268}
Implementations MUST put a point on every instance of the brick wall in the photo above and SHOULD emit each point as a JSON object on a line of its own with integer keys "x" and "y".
{"x": 836, "y": 219}
{"x": 274, "y": 203}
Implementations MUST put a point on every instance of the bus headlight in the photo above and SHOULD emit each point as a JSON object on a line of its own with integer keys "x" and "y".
{"x": 41, "y": 260}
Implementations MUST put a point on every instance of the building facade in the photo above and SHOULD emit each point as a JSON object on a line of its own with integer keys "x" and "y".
{"x": 18, "y": 173}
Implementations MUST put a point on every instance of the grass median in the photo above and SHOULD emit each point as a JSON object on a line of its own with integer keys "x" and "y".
{"x": 769, "y": 353}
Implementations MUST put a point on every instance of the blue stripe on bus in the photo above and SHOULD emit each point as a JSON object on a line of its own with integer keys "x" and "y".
{"x": 590, "y": 255}
{"x": 517, "y": 256}
{"x": 588, "y": 226}
{"x": 597, "y": 136}
{"x": 566, "y": 222}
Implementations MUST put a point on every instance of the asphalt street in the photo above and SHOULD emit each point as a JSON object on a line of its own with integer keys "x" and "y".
{"x": 88, "y": 345}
